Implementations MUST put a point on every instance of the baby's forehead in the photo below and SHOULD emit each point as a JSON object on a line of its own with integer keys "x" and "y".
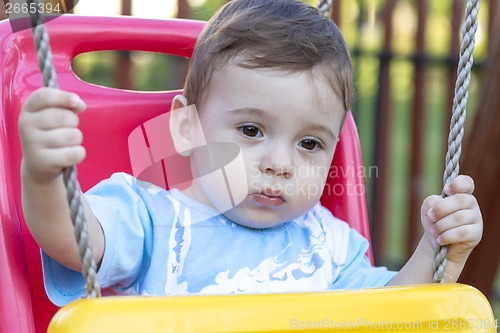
{"x": 318, "y": 77}
{"x": 300, "y": 95}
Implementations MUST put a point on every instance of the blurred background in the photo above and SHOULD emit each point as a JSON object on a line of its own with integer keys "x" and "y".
{"x": 405, "y": 56}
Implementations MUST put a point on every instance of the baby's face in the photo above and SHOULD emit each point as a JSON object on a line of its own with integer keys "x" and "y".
{"x": 287, "y": 128}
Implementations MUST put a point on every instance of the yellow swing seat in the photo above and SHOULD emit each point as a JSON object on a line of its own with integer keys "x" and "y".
{"x": 424, "y": 308}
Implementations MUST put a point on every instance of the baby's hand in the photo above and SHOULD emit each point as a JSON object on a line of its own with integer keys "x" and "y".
{"x": 50, "y": 138}
{"x": 455, "y": 220}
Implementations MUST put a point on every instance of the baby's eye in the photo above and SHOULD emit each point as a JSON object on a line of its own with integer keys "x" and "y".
{"x": 310, "y": 144}
{"x": 250, "y": 131}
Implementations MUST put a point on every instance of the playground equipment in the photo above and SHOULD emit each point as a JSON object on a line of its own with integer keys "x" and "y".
{"x": 115, "y": 114}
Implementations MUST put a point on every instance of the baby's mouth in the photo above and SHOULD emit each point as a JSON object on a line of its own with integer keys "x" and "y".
{"x": 269, "y": 197}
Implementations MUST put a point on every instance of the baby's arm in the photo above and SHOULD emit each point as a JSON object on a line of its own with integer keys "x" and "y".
{"x": 50, "y": 141}
{"x": 455, "y": 221}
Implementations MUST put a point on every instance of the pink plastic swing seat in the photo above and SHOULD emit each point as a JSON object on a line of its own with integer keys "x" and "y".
{"x": 111, "y": 116}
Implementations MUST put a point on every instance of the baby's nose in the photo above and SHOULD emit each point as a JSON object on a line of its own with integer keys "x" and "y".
{"x": 278, "y": 164}
{"x": 285, "y": 170}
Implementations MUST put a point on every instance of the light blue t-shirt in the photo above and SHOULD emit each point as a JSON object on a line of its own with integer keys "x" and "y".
{"x": 160, "y": 242}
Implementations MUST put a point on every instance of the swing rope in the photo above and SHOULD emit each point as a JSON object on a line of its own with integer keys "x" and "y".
{"x": 458, "y": 117}
{"x": 324, "y": 6}
{"x": 89, "y": 267}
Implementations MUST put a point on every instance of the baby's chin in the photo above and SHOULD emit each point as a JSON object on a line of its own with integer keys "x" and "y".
{"x": 257, "y": 225}
{"x": 254, "y": 220}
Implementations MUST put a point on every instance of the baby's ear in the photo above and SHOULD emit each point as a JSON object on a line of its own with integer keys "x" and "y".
{"x": 178, "y": 102}
{"x": 185, "y": 126}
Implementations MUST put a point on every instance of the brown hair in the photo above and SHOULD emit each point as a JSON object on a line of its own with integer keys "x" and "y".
{"x": 284, "y": 34}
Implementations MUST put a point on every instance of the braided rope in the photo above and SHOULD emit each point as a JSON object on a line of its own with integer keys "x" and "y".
{"x": 89, "y": 267}
{"x": 458, "y": 117}
{"x": 324, "y": 6}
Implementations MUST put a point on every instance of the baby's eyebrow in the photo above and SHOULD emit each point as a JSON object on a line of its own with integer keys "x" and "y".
{"x": 254, "y": 112}
{"x": 322, "y": 128}
{"x": 248, "y": 110}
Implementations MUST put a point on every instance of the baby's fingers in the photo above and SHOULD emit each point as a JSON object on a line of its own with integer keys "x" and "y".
{"x": 450, "y": 205}
{"x": 469, "y": 235}
{"x": 430, "y": 202}
{"x": 53, "y": 160}
{"x": 455, "y": 220}
{"x": 53, "y": 118}
{"x": 47, "y": 98}
{"x": 461, "y": 184}
{"x": 61, "y": 137}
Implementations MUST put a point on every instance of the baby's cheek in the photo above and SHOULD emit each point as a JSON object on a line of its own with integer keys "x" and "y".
{"x": 310, "y": 186}
{"x": 221, "y": 174}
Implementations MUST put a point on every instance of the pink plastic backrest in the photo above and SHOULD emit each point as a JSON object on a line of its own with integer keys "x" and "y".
{"x": 111, "y": 116}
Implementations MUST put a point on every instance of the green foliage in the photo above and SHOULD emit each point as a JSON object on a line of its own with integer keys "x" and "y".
{"x": 203, "y": 10}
